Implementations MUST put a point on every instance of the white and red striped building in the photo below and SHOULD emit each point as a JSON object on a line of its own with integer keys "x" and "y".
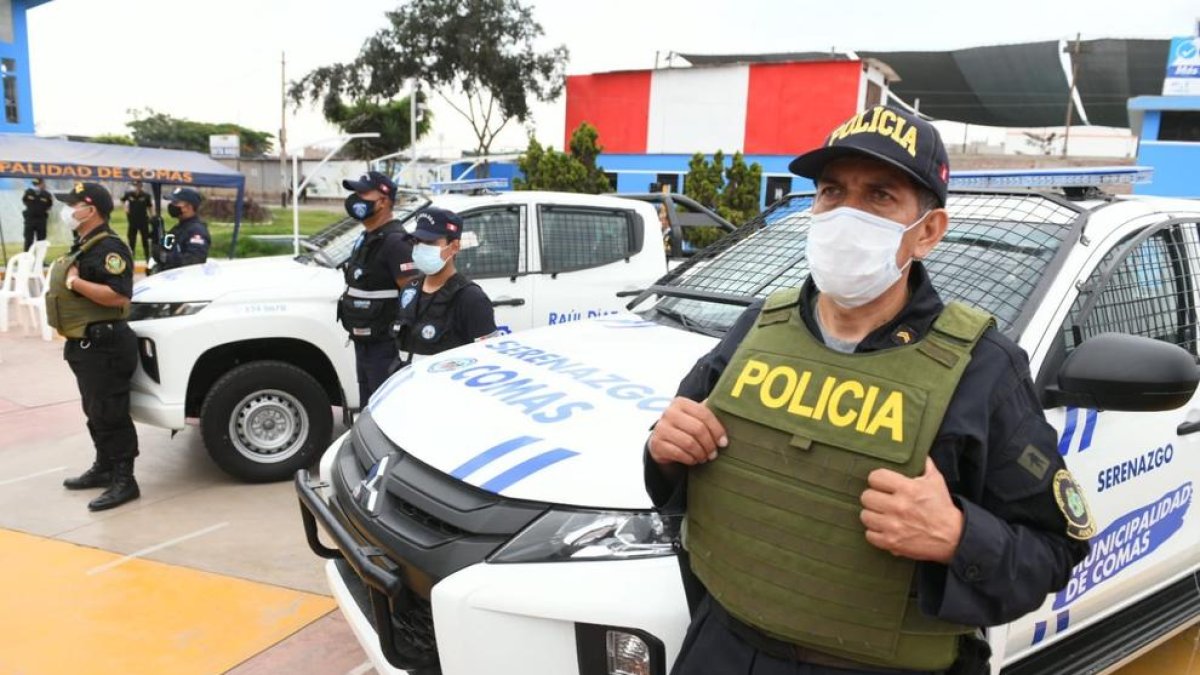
{"x": 652, "y": 121}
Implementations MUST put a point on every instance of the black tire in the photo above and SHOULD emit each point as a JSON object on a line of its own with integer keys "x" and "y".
{"x": 265, "y": 420}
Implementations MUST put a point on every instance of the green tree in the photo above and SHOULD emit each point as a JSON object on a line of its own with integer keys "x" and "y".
{"x": 112, "y": 139}
{"x": 159, "y": 130}
{"x": 483, "y": 48}
{"x": 739, "y": 200}
{"x": 390, "y": 119}
{"x": 577, "y": 171}
{"x": 705, "y": 179}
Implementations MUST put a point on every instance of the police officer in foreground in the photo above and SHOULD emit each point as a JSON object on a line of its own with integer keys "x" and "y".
{"x": 867, "y": 473}
{"x": 379, "y": 265}
{"x": 441, "y": 309}
{"x": 87, "y": 301}
{"x": 137, "y": 211}
{"x": 37, "y": 211}
{"x": 188, "y": 242}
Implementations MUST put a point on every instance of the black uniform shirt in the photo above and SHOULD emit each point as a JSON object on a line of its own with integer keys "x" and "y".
{"x": 1014, "y": 548}
{"x": 471, "y": 316}
{"x": 392, "y": 257}
{"x": 139, "y": 205}
{"x": 108, "y": 262}
{"x": 37, "y": 203}
{"x": 190, "y": 246}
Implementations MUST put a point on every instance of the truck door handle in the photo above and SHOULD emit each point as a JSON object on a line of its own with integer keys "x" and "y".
{"x": 508, "y": 302}
{"x": 1188, "y": 428}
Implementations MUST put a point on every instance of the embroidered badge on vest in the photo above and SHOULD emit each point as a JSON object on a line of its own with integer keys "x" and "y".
{"x": 1070, "y": 501}
{"x": 428, "y": 332}
{"x": 114, "y": 263}
{"x": 407, "y": 296}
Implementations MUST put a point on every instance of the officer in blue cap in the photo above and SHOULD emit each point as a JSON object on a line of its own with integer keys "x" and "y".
{"x": 441, "y": 309}
{"x": 188, "y": 242}
{"x": 379, "y": 265}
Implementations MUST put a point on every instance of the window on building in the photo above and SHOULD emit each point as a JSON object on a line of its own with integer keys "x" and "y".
{"x": 668, "y": 180}
{"x": 499, "y": 251}
{"x": 1179, "y": 125}
{"x": 577, "y": 238}
{"x": 6, "y": 22}
{"x": 874, "y": 94}
{"x": 8, "y": 70}
{"x": 777, "y": 188}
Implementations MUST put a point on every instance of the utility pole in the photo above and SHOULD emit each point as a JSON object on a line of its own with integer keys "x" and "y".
{"x": 412, "y": 133}
{"x": 1071, "y": 94}
{"x": 283, "y": 129}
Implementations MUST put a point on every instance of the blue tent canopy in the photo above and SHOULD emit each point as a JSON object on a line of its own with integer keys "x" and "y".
{"x": 23, "y": 156}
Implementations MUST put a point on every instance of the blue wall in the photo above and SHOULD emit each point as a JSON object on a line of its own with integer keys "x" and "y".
{"x": 1174, "y": 162}
{"x": 18, "y": 51}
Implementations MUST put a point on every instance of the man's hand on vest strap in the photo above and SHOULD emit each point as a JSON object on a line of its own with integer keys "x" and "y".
{"x": 912, "y": 517}
{"x": 688, "y": 433}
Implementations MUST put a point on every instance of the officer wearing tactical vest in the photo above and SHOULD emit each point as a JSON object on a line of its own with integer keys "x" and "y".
{"x": 441, "y": 309}
{"x": 380, "y": 264}
{"x": 87, "y": 301}
{"x": 867, "y": 474}
{"x": 188, "y": 242}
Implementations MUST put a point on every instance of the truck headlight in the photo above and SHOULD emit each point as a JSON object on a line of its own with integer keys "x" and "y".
{"x": 560, "y": 536}
{"x": 142, "y": 311}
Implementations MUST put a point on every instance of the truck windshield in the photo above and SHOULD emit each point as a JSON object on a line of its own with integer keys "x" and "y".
{"x": 994, "y": 255}
{"x": 332, "y": 246}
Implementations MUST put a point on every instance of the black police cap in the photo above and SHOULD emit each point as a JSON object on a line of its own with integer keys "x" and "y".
{"x": 372, "y": 180}
{"x": 889, "y": 135}
{"x": 434, "y": 223}
{"x": 186, "y": 195}
{"x": 92, "y": 194}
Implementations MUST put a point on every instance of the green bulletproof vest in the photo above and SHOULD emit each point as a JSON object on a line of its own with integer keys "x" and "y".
{"x": 70, "y": 313}
{"x": 773, "y": 525}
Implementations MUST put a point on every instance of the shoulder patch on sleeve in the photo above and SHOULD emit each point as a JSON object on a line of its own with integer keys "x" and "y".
{"x": 1034, "y": 461}
{"x": 196, "y": 239}
{"x": 1074, "y": 508}
{"x": 114, "y": 263}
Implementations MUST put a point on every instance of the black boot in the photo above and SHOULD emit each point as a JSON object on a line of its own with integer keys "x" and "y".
{"x": 96, "y": 477}
{"x": 124, "y": 488}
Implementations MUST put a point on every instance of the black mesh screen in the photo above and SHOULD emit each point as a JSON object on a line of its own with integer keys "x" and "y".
{"x": 994, "y": 255}
{"x": 575, "y": 239}
{"x": 1150, "y": 292}
{"x": 499, "y": 251}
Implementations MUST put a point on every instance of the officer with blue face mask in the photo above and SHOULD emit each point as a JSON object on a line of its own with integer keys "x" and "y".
{"x": 380, "y": 264}
{"x": 441, "y": 309}
{"x": 866, "y": 472}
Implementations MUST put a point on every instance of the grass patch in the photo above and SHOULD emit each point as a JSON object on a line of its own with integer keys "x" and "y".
{"x": 311, "y": 222}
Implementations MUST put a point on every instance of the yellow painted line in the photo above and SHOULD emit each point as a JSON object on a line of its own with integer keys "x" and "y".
{"x": 139, "y": 617}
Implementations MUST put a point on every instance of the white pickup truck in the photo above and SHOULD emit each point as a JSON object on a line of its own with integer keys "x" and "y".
{"x": 520, "y": 539}
{"x": 252, "y": 347}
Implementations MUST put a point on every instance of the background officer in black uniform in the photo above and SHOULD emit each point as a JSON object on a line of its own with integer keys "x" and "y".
{"x": 380, "y": 264}
{"x": 37, "y": 209}
{"x": 87, "y": 301}
{"x": 187, "y": 243}
{"x": 983, "y": 523}
{"x": 137, "y": 211}
{"x": 441, "y": 309}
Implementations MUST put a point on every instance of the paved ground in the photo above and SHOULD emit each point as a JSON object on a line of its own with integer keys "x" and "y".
{"x": 201, "y": 575}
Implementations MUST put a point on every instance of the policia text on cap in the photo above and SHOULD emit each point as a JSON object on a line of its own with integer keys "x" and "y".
{"x": 87, "y": 301}
{"x": 867, "y": 475}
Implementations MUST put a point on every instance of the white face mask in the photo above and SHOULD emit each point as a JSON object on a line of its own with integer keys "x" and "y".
{"x": 852, "y": 254}
{"x": 67, "y": 216}
{"x": 428, "y": 258}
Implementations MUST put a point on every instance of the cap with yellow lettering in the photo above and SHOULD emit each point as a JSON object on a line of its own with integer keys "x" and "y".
{"x": 890, "y": 135}
{"x": 92, "y": 194}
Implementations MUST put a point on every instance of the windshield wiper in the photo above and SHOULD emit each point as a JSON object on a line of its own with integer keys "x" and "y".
{"x": 688, "y": 323}
{"x": 693, "y": 294}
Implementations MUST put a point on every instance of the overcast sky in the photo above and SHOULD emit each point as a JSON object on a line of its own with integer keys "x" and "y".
{"x": 218, "y": 60}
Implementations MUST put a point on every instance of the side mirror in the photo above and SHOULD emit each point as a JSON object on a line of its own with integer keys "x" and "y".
{"x": 1114, "y": 371}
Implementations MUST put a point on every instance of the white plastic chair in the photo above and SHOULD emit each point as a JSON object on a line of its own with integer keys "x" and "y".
{"x": 10, "y": 287}
{"x": 31, "y": 294}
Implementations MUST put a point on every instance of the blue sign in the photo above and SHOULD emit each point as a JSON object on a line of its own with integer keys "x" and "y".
{"x": 1183, "y": 67}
